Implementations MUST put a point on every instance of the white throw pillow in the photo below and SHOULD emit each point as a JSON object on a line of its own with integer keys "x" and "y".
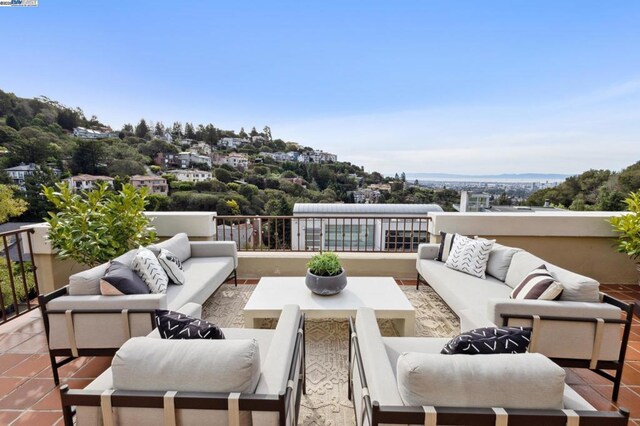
{"x": 172, "y": 266}
{"x": 148, "y": 267}
{"x": 469, "y": 256}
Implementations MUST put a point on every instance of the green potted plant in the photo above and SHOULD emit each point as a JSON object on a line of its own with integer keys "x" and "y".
{"x": 94, "y": 227}
{"x": 325, "y": 274}
{"x": 628, "y": 228}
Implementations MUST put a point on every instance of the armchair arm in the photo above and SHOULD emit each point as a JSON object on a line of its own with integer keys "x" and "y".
{"x": 98, "y": 322}
{"x": 278, "y": 360}
{"x": 378, "y": 370}
{"x": 428, "y": 251}
{"x": 215, "y": 249}
{"x": 573, "y": 338}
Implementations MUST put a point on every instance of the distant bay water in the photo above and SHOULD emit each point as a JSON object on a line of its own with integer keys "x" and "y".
{"x": 502, "y": 178}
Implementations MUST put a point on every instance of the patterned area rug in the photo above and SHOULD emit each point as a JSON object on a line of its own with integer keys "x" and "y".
{"x": 327, "y": 402}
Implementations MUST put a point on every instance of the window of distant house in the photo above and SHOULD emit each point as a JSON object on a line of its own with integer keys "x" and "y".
{"x": 349, "y": 237}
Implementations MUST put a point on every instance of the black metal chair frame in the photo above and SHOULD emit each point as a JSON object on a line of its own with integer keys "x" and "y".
{"x": 280, "y": 403}
{"x": 67, "y": 353}
{"x": 384, "y": 414}
{"x": 617, "y": 366}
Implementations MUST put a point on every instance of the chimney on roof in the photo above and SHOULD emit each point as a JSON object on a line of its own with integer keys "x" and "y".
{"x": 546, "y": 203}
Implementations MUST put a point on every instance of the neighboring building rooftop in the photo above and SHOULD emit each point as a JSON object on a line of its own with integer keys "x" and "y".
{"x": 385, "y": 209}
{"x": 84, "y": 177}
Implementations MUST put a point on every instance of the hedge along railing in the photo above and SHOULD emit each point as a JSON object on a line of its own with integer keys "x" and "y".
{"x": 18, "y": 279}
{"x": 315, "y": 233}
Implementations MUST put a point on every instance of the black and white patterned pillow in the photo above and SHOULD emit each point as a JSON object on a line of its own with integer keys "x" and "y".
{"x": 539, "y": 284}
{"x": 490, "y": 340}
{"x": 148, "y": 268}
{"x": 470, "y": 256}
{"x": 172, "y": 266}
{"x": 174, "y": 325}
{"x": 446, "y": 242}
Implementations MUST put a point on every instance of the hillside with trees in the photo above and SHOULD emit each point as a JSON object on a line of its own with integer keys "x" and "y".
{"x": 40, "y": 131}
{"x": 592, "y": 190}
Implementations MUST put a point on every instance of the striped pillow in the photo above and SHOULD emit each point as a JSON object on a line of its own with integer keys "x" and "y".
{"x": 539, "y": 284}
{"x": 446, "y": 242}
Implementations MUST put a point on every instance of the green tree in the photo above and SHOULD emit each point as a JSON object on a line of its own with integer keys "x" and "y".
{"x": 94, "y": 227}
{"x": 142, "y": 130}
{"x": 10, "y": 205}
{"x": 39, "y": 206}
{"x": 12, "y": 122}
{"x": 223, "y": 175}
{"x": 89, "y": 157}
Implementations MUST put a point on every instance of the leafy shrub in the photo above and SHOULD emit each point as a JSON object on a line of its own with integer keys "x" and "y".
{"x": 94, "y": 227}
{"x": 628, "y": 226}
{"x": 325, "y": 264}
{"x": 5, "y": 284}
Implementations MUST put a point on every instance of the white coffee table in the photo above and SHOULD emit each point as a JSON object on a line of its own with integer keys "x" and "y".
{"x": 379, "y": 293}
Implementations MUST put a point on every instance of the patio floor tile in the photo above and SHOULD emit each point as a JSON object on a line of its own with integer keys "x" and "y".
{"x": 7, "y": 416}
{"x": 38, "y": 418}
{"x": 8, "y": 361}
{"x": 27, "y": 394}
{"x": 30, "y": 367}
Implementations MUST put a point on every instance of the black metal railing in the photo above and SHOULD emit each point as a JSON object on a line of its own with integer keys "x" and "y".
{"x": 18, "y": 279}
{"x": 316, "y": 233}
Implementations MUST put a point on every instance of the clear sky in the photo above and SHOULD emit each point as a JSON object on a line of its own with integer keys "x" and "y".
{"x": 417, "y": 86}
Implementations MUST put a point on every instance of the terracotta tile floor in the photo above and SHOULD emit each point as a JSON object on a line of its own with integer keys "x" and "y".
{"x": 28, "y": 395}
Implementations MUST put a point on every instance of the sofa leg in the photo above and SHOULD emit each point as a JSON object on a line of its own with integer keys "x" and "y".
{"x": 235, "y": 277}
{"x": 54, "y": 369}
{"x": 616, "y": 384}
{"x": 418, "y": 281}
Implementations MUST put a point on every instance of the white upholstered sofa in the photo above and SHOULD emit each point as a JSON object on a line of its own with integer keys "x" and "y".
{"x": 253, "y": 376}
{"x": 405, "y": 380}
{"x": 582, "y": 329}
{"x": 79, "y": 321}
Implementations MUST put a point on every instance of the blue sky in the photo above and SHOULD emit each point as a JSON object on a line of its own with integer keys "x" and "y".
{"x": 415, "y": 86}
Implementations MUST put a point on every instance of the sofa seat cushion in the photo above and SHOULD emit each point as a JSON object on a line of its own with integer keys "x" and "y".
{"x": 145, "y": 363}
{"x": 203, "y": 275}
{"x": 461, "y": 291}
{"x": 576, "y": 288}
{"x": 503, "y": 380}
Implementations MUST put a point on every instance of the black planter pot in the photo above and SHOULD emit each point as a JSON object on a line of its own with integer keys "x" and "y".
{"x": 326, "y": 286}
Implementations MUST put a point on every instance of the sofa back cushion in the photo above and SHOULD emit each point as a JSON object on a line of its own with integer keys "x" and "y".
{"x": 577, "y": 288}
{"x": 88, "y": 282}
{"x": 499, "y": 260}
{"x": 152, "y": 364}
{"x": 178, "y": 245}
{"x": 529, "y": 381}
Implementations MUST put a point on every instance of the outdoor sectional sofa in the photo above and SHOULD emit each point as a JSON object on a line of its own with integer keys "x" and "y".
{"x": 253, "y": 376}
{"x": 79, "y": 321}
{"x": 582, "y": 329}
{"x": 405, "y": 380}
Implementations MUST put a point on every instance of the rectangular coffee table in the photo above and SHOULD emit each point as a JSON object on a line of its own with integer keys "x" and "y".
{"x": 379, "y": 293}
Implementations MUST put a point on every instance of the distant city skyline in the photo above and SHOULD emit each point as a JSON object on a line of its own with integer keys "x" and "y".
{"x": 464, "y": 87}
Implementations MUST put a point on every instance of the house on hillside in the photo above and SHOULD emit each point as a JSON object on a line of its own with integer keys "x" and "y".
{"x": 19, "y": 173}
{"x": 232, "y": 143}
{"x": 156, "y": 184}
{"x": 84, "y": 182}
{"x": 188, "y": 159}
{"x": 238, "y": 161}
{"x": 84, "y": 133}
{"x": 191, "y": 175}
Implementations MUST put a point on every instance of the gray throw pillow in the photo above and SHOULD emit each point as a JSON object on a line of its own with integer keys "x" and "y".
{"x": 121, "y": 279}
{"x": 499, "y": 260}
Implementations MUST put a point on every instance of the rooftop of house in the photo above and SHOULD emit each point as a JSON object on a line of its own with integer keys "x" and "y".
{"x": 90, "y": 178}
{"x": 387, "y": 209}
